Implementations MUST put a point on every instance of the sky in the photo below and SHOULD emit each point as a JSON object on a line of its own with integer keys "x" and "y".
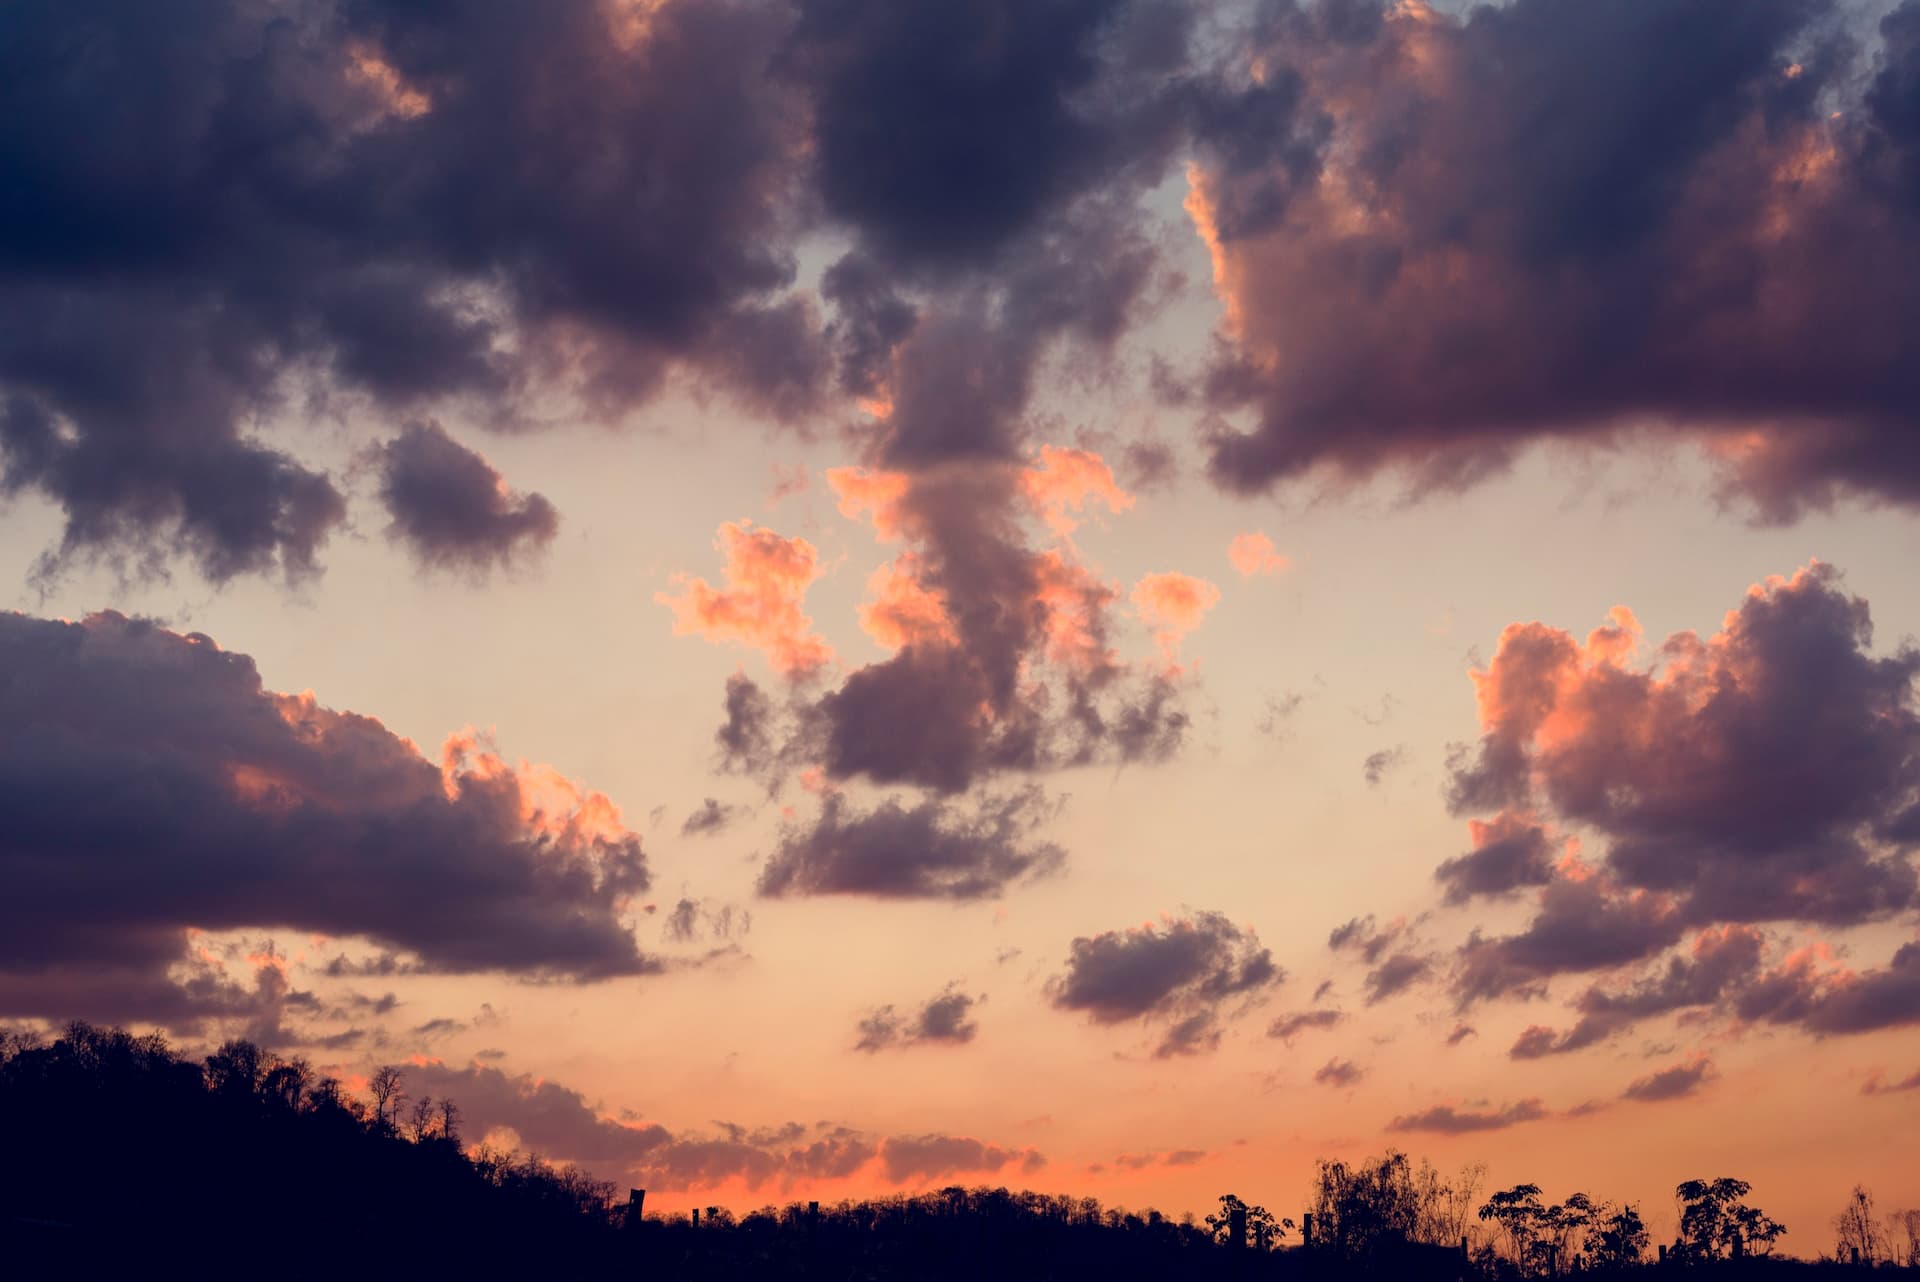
{"x": 815, "y": 598}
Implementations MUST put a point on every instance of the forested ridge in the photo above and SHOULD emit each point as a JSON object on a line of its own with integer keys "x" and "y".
{"x": 120, "y": 1153}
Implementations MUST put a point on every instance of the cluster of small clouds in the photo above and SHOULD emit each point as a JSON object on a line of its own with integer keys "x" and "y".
{"x": 946, "y": 1018}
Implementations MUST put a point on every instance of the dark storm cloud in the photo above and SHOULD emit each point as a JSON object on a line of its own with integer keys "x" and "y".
{"x": 1676, "y": 1082}
{"x": 933, "y": 850}
{"x": 1287, "y": 1027}
{"x": 944, "y": 1018}
{"x": 1448, "y": 1119}
{"x": 1759, "y": 775}
{"x": 948, "y": 131}
{"x": 224, "y": 206}
{"x": 1553, "y": 218}
{"x": 452, "y": 509}
{"x": 152, "y": 784}
{"x": 1183, "y": 971}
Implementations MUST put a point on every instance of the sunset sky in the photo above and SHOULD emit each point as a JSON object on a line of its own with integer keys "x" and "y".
{"x": 811, "y": 598}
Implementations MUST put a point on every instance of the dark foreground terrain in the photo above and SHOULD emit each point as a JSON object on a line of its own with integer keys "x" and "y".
{"x": 119, "y": 1157}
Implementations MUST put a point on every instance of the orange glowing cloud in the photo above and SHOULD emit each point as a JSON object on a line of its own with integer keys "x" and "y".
{"x": 767, "y": 577}
{"x": 864, "y": 491}
{"x": 1076, "y": 602}
{"x": 904, "y": 611}
{"x": 1064, "y": 481}
{"x": 551, "y": 804}
{"x": 395, "y": 95}
{"x": 1173, "y": 605}
{"x": 1253, "y": 553}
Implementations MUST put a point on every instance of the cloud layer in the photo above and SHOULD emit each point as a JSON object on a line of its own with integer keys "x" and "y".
{"x": 154, "y": 785}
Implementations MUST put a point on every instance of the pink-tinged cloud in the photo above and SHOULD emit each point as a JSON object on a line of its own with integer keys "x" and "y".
{"x": 766, "y": 581}
{"x": 1711, "y": 770}
{"x": 1423, "y": 254}
{"x": 903, "y": 610}
{"x": 865, "y": 493}
{"x": 1253, "y": 553}
{"x": 1013, "y": 671}
{"x": 1064, "y": 482}
{"x": 1173, "y": 604}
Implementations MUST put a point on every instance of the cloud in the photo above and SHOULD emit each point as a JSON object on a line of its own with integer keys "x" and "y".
{"x": 1449, "y": 1119}
{"x": 1003, "y": 657}
{"x": 1287, "y": 1027}
{"x": 1171, "y": 1157}
{"x": 1583, "y": 924}
{"x": 932, "y": 850}
{"x": 1876, "y": 1084}
{"x": 1460, "y": 1033}
{"x": 245, "y": 210}
{"x": 1181, "y": 971}
{"x": 1394, "y": 964}
{"x": 1510, "y": 852}
{"x": 710, "y": 818}
{"x": 1838, "y": 1001}
{"x": 1722, "y": 961}
{"x": 1677, "y": 1082}
{"x": 153, "y": 785}
{"x": 945, "y": 1017}
{"x": 691, "y": 918}
{"x": 1173, "y": 605}
{"x": 1761, "y": 774}
{"x": 451, "y": 508}
{"x": 767, "y": 577}
{"x": 915, "y": 1159}
{"x": 551, "y": 1119}
{"x": 1064, "y": 482}
{"x": 1340, "y": 1073}
{"x": 1252, "y": 553}
{"x": 1377, "y": 764}
{"x": 1396, "y": 974}
{"x": 746, "y": 736}
{"x": 1427, "y": 226}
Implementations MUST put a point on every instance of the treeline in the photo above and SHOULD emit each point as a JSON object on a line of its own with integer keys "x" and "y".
{"x": 116, "y": 1154}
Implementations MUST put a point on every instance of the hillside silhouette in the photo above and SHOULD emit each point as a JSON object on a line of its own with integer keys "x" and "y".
{"x": 122, "y": 1155}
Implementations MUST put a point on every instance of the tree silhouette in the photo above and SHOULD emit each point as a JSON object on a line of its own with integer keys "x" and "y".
{"x": 1618, "y": 1238}
{"x": 1715, "y": 1224}
{"x": 1263, "y": 1231}
{"x": 1857, "y": 1233}
{"x": 387, "y": 1094}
